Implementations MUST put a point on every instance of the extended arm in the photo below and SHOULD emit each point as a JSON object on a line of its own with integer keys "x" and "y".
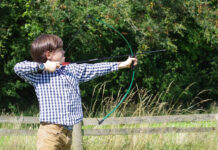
{"x": 86, "y": 72}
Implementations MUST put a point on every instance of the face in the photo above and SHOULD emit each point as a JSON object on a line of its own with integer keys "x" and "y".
{"x": 57, "y": 55}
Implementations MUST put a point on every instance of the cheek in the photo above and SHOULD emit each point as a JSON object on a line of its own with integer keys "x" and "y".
{"x": 57, "y": 57}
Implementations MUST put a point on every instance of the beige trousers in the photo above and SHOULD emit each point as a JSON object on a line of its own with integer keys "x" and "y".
{"x": 53, "y": 137}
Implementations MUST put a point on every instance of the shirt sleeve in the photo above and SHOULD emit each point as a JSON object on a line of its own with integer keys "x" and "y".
{"x": 86, "y": 72}
{"x": 28, "y": 71}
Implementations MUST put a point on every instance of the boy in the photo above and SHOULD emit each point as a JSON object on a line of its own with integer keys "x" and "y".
{"x": 57, "y": 89}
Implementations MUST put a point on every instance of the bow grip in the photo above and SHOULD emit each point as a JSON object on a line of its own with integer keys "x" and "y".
{"x": 132, "y": 64}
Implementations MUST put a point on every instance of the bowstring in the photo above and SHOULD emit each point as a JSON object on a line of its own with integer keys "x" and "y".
{"x": 132, "y": 54}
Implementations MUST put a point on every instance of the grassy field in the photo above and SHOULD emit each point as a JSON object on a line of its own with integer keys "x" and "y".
{"x": 181, "y": 141}
{"x": 148, "y": 104}
{"x": 167, "y": 141}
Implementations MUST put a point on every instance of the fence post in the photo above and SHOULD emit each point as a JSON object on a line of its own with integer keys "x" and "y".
{"x": 77, "y": 136}
{"x": 216, "y": 117}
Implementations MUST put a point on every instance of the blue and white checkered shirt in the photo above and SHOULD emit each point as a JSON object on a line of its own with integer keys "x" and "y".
{"x": 58, "y": 92}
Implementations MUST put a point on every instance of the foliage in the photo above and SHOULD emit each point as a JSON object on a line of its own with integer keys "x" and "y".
{"x": 187, "y": 29}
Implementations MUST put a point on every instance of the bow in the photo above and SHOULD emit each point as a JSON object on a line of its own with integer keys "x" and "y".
{"x": 133, "y": 71}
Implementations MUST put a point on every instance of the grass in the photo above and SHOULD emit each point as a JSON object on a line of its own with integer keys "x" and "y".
{"x": 168, "y": 141}
{"x": 157, "y": 125}
{"x": 18, "y": 142}
{"x": 148, "y": 104}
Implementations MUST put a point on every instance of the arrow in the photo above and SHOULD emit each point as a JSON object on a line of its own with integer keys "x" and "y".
{"x": 106, "y": 58}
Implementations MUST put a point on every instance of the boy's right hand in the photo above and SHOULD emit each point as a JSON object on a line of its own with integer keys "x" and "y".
{"x": 51, "y": 66}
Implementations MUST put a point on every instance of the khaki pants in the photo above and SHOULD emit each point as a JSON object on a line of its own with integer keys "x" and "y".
{"x": 53, "y": 137}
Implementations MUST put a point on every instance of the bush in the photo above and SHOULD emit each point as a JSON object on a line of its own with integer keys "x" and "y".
{"x": 187, "y": 29}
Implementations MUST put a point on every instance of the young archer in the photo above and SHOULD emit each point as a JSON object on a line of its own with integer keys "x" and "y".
{"x": 57, "y": 89}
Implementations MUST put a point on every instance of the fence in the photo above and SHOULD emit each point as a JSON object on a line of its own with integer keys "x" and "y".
{"x": 78, "y": 132}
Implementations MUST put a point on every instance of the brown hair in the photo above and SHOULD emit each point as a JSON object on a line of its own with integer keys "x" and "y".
{"x": 43, "y": 43}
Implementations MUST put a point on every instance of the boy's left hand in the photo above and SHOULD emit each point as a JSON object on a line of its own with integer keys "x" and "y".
{"x": 128, "y": 63}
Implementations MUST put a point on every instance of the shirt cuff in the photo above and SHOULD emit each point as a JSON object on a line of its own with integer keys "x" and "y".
{"x": 114, "y": 66}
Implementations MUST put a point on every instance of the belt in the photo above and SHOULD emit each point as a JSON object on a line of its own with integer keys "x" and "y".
{"x": 68, "y": 127}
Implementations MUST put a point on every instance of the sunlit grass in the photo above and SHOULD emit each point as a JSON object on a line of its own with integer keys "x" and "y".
{"x": 167, "y": 141}
{"x": 148, "y": 105}
{"x": 18, "y": 143}
{"x": 157, "y": 125}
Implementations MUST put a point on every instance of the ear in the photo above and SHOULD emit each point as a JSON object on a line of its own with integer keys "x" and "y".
{"x": 48, "y": 55}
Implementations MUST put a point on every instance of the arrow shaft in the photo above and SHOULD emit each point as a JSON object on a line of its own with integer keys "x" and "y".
{"x": 106, "y": 58}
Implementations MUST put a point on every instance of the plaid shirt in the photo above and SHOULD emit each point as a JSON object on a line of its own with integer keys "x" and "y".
{"x": 58, "y": 93}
